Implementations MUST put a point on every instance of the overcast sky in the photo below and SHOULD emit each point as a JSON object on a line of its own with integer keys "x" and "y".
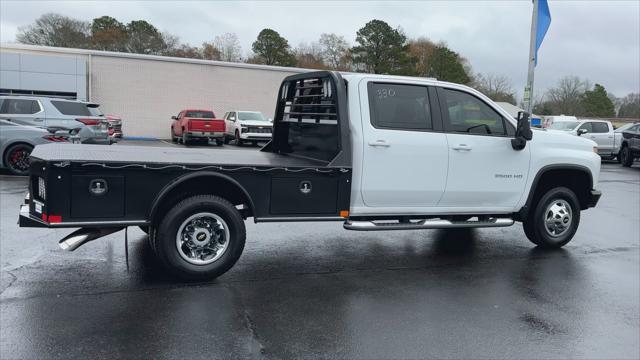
{"x": 598, "y": 40}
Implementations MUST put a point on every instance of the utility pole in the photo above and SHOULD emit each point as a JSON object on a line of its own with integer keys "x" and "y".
{"x": 528, "y": 90}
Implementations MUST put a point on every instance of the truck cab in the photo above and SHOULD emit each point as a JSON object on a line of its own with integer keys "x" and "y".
{"x": 373, "y": 152}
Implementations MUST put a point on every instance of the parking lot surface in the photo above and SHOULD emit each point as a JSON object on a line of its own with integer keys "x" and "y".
{"x": 308, "y": 290}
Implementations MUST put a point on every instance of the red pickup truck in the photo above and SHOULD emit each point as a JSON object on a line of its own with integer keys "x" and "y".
{"x": 192, "y": 124}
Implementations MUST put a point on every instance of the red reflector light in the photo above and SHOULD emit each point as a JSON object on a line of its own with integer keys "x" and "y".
{"x": 52, "y": 218}
{"x": 89, "y": 121}
{"x": 55, "y": 218}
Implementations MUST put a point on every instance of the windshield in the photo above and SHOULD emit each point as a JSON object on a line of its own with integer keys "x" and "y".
{"x": 200, "y": 114}
{"x": 564, "y": 125}
{"x": 95, "y": 111}
{"x": 251, "y": 116}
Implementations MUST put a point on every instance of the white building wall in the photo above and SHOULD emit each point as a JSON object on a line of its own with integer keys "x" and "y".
{"x": 146, "y": 93}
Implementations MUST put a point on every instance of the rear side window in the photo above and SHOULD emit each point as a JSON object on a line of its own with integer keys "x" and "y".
{"x": 72, "y": 108}
{"x": 200, "y": 114}
{"x": 600, "y": 127}
{"x": 19, "y": 106}
{"x": 402, "y": 107}
{"x": 468, "y": 114}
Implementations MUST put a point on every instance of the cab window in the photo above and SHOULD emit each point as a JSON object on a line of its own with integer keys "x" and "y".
{"x": 468, "y": 114}
{"x": 400, "y": 107}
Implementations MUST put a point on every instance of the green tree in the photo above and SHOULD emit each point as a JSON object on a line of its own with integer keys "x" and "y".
{"x": 447, "y": 65}
{"x": 56, "y": 30}
{"x": 597, "y": 103}
{"x": 108, "y": 34}
{"x": 144, "y": 38}
{"x": 381, "y": 49}
{"x": 272, "y": 49}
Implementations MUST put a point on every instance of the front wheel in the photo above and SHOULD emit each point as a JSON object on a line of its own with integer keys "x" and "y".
{"x": 554, "y": 220}
{"x": 201, "y": 237}
{"x": 626, "y": 158}
{"x": 16, "y": 159}
{"x": 238, "y": 139}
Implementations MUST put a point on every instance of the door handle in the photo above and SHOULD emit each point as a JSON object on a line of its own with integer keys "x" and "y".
{"x": 461, "y": 147}
{"x": 380, "y": 143}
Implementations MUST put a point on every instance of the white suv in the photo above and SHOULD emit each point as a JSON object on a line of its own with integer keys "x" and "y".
{"x": 242, "y": 126}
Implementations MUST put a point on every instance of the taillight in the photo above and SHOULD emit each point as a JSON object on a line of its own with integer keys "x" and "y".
{"x": 89, "y": 121}
{"x": 55, "y": 138}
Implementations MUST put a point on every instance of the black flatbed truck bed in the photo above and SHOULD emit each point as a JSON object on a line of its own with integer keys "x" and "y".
{"x": 193, "y": 202}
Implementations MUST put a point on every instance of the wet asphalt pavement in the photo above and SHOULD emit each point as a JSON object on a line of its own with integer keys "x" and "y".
{"x": 309, "y": 290}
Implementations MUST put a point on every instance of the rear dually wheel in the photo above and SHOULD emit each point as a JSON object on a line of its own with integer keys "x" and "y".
{"x": 201, "y": 237}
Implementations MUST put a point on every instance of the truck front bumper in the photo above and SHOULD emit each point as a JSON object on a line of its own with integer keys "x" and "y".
{"x": 594, "y": 197}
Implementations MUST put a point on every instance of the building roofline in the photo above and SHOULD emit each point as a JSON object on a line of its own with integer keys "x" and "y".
{"x": 74, "y": 51}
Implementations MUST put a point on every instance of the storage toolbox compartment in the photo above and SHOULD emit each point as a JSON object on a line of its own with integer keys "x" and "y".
{"x": 94, "y": 196}
{"x": 304, "y": 195}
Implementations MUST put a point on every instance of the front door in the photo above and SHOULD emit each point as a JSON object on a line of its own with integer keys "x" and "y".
{"x": 404, "y": 163}
{"x": 599, "y": 132}
{"x": 484, "y": 170}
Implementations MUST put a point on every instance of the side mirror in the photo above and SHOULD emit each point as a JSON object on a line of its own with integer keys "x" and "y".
{"x": 174, "y": 118}
{"x": 582, "y": 131}
{"x": 523, "y": 131}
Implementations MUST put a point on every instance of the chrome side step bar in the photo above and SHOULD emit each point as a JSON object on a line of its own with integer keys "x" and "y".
{"x": 83, "y": 236}
{"x": 367, "y": 225}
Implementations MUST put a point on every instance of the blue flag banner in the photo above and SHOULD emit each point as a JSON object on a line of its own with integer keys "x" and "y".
{"x": 544, "y": 20}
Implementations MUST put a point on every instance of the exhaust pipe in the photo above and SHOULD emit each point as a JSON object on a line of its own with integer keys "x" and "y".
{"x": 83, "y": 236}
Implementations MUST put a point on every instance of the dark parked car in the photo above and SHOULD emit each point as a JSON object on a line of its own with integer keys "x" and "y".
{"x": 630, "y": 147}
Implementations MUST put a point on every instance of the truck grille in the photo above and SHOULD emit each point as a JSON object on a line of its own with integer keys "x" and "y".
{"x": 259, "y": 130}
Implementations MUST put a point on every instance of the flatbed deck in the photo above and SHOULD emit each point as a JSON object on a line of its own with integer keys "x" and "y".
{"x": 114, "y": 154}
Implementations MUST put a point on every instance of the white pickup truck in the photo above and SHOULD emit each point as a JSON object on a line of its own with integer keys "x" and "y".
{"x": 373, "y": 152}
{"x": 600, "y": 131}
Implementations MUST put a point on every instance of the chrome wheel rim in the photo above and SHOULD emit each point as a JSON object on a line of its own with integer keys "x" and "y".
{"x": 202, "y": 238}
{"x": 558, "y": 217}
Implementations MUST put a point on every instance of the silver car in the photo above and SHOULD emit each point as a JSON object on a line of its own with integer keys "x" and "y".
{"x": 17, "y": 141}
{"x": 91, "y": 127}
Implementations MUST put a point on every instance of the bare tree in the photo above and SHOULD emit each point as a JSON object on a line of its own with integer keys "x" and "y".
{"x": 229, "y": 47}
{"x": 496, "y": 87}
{"x": 421, "y": 51}
{"x": 56, "y": 30}
{"x": 334, "y": 50}
{"x": 210, "y": 52}
{"x": 566, "y": 97}
{"x": 309, "y": 55}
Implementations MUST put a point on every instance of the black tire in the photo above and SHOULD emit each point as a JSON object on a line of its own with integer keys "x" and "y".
{"x": 535, "y": 225}
{"x": 219, "y": 142}
{"x": 16, "y": 159}
{"x": 166, "y": 236}
{"x": 173, "y": 136}
{"x": 238, "y": 139}
{"x": 226, "y": 139}
{"x": 185, "y": 138}
{"x": 626, "y": 157}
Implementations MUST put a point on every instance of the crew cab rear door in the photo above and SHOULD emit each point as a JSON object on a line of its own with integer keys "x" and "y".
{"x": 405, "y": 158}
{"x": 484, "y": 171}
{"x": 601, "y": 133}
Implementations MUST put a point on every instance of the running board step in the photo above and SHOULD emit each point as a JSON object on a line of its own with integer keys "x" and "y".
{"x": 425, "y": 224}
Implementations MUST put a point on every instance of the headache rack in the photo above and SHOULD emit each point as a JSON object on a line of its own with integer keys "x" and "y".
{"x": 311, "y": 119}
